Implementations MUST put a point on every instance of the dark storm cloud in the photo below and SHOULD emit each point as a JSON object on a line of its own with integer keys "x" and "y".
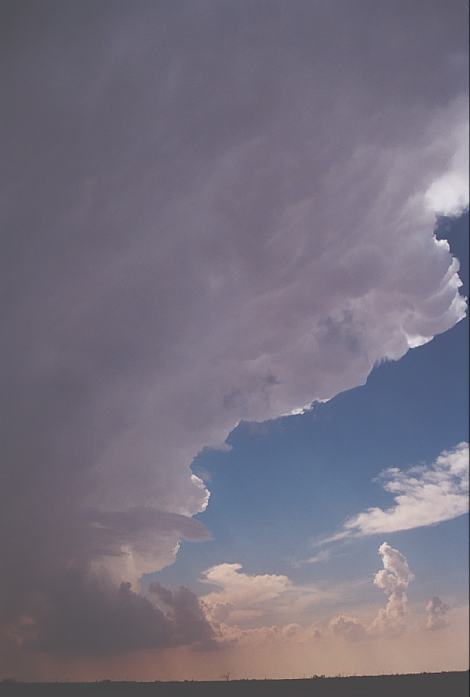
{"x": 211, "y": 211}
{"x": 184, "y": 610}
{"x": 86, "y": 615}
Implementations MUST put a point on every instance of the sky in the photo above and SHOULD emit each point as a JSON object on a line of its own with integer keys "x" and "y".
{"x": 235, "y": 338}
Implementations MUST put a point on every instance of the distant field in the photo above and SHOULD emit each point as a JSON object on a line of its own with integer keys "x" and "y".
{"x": 442, "y": 684}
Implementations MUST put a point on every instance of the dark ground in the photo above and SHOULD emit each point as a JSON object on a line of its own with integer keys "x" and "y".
{"x": 429, "y": 684}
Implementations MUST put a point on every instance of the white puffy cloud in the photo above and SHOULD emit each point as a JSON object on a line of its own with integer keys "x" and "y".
{"x": 212, "y": 216}
{"x": 393, "y": 579}
{"x": 241, "y": 598}
{"x": 396, "y": 575}
{"x": 423, "y": 495}
{"x": 437, "y": 614}
{"x": 245, "y": 592}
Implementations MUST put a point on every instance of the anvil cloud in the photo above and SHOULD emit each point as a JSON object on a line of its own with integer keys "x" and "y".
{"x": 211, "y": 211}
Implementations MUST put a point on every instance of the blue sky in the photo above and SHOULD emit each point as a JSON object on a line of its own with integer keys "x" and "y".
{"x": 288, "y": 481}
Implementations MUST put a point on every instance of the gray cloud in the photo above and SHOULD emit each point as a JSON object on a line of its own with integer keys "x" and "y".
{"x": 437, "y": 613}
{"x": 86, "y": 615}
{"x": 210, "y": 212}
{"x": 185, "y": 611}
{"x": 348, "y": 628}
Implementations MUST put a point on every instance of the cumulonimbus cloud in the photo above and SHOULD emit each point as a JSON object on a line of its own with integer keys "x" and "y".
{"x": 208, "y": 217}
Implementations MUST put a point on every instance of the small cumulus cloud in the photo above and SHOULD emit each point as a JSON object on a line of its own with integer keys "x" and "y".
{"x": 437, "y": 614}
{"x": 349, "y": 628}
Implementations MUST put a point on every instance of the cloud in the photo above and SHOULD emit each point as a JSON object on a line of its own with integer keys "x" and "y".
{"x": 396, "y": 575}
{"x": 349, "y": 628}
{"x": 211, "y": 215}
{"x": 89, "y": 616}
{"x": 393, "y": 579}
{"x": 240, "y": 596}
{"x": 184, "y": 610}
{"x": 241, "y": 587}
{"x": 390, "y": 620}
{"x": 301, "y": 650}
{"x": 437, "y": 614}
{"x": 322, "y": 555}
{"x": 124, "y": 539}
{"x": 290, "y": 651}
{"x": 246, "y": 607}
{"x": 239, "y": 609}
{"x": 423, "y": 495}
{"x": 449, "y": 194}
{"x": 242, "y": 599}
{"x": 233, "y": 634}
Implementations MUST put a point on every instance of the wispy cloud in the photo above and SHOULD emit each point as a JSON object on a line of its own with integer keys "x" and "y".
{"x": 423, "y": 495}
{"x": 322, "y": 555}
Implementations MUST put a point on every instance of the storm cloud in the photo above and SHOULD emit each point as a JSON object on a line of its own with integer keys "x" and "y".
{"x": 211, "y": 211}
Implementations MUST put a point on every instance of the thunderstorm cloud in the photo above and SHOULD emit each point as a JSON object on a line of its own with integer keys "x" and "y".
{"x": 211, "y": 211}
